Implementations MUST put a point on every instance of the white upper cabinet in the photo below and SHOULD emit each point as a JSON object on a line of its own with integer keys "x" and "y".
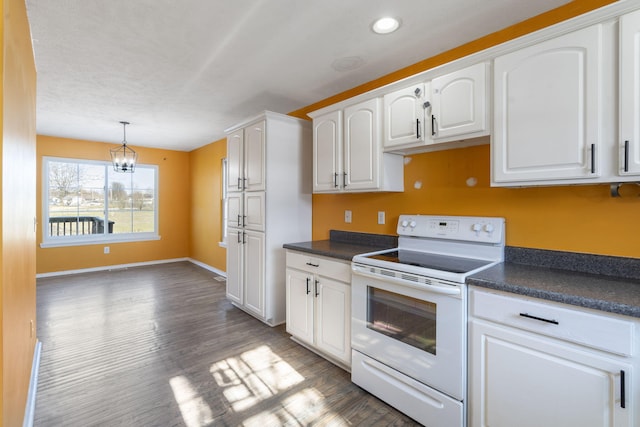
{"x": 448, "y": 109}
{"x": 548, "y": 123}
{"x": 235, "y": 159}
{"x": 347, "y": 152}
{"x": 404, "y": 117}
{"x": 459, "y": 104}
{"x": 630, "y": 94}
{"x": 362, "y": 145}
{"x": 246, "y": 158}
{"x": 327, "y": 152}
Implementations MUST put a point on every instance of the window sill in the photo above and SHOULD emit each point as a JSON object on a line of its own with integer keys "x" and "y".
{"x": 99, "y": 241}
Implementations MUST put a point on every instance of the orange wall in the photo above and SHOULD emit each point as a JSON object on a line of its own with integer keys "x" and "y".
{"x": 173, "y": 218}
{"x": 576, "y": 218}
{"x": 17, "y": 237}
{"x": 206, "y": 193}
{"x": 569, "y": 218}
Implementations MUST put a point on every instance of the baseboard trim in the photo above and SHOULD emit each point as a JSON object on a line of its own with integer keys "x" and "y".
{"x": 208, "y": 267}
{"x": 109, "y": 267}
{"x": 30, "y": 409}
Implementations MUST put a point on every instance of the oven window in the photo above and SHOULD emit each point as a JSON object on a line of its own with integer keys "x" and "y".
{"x": 409, "y": 320}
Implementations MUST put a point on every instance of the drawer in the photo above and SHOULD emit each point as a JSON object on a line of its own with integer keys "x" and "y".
{"x": 322, "y": 266}
{"x": 555, "y": 320}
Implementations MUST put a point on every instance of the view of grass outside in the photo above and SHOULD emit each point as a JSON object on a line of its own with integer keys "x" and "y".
{"x": 78, "y": 206}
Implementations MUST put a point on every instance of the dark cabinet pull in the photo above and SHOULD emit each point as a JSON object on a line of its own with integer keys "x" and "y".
{"x": 308, "y": 286}
{"x": 344, "y": 180}
{"x": 542, "y": 319}
{"x": 593, "y": 158}
{"x": 244, "y": 220}
{"x": 433, "y": 125}
{"x": 418, "y": 128}
{"x": 239, "y": 236}
{"x": 316, "y": 289}
{"x": 239, "y": 184}
{"x": 244, "y": 183}
{"x": 313, "y": 265}
{"x": 335, "y": 180}
{"x": 626, "y": 156}
{"x": 244, "y": 238}
{"x": 239, "y": 222}
{"x": 623, "y": 404}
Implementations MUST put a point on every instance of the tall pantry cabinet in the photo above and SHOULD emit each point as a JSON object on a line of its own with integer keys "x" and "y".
{"x": 268, "y": 204}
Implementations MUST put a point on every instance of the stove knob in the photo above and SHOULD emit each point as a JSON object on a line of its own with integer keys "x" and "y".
{"x": 488, "y": 228}
{"x": 412, "y": 224}
{"x": 476, "y": 227}
{"x": 404, "y": 223}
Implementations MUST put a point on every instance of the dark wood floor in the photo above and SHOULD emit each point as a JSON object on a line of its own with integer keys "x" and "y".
{"x": 161, "y": 346}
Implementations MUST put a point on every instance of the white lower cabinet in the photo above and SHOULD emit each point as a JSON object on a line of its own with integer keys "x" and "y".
{"x": 319, "y": 305}
{"x": 246, "y": 280}
{"x": 534, "y": 363}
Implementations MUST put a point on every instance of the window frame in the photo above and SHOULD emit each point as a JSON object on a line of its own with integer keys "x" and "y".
{"x": 105, "y": 237}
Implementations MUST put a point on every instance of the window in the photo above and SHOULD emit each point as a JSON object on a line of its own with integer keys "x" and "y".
{"x": 88, "y": 202}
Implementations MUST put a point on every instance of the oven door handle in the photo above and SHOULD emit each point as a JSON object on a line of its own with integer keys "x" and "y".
{"x": 437, "y": 289}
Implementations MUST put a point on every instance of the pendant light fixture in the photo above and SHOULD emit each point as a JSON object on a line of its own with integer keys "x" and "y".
{"x": 124, "y": 158}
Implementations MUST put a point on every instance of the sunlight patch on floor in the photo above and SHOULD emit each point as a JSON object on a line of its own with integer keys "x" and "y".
{"x": 253, "y": 377}
{"x": 195, "y": 411}
{"x": 260, "y": 374}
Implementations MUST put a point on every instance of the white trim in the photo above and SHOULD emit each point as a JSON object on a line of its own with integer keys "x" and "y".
{"x": 126, "y": 238}
{"x": 603, "y": 14}
{"x": 29, "y": 412}
{"x": 109, "y": 267}
{"x": 134, "y": 264}
{"x": 208, "y": 267}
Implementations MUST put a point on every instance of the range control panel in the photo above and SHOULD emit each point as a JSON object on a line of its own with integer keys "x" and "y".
{"x": 465, "y": 228}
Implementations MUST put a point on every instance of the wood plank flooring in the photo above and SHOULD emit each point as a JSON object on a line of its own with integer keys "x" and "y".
{"x": 161, "y": 346}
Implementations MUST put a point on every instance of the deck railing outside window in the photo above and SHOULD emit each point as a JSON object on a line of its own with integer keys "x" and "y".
{"x": 77, "y": 225}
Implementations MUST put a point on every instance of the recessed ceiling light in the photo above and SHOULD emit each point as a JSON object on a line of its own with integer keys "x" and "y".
{"x": 385, "y": 25}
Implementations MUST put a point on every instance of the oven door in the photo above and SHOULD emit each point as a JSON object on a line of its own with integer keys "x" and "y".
{"x": 415, "y": 328}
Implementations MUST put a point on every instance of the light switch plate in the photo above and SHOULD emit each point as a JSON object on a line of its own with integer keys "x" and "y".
{"x": 347, "y": 217}
{"x": 381, "y": 217}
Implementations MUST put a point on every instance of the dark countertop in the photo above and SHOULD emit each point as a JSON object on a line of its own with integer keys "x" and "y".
{"x": 599, "y": 282}
{"x": 605, "y": 283}
{"x": 345, "y": 245}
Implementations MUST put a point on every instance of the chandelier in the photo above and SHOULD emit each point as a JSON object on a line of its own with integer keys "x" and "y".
{"x": 124, "y": 158}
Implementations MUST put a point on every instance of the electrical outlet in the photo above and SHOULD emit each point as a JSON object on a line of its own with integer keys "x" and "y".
{"x": 381, "y": 217}
{"x": 106, "y": 249}
{"x": 347, "y": 217}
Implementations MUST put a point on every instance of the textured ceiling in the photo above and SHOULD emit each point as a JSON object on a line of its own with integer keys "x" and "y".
{"x": 183, "y": 71}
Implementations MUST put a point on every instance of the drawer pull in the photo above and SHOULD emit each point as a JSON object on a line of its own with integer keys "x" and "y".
{"x": 308, "y": 286}
{"x": 313, "y": 265}
{"x": 542, "y": 319}
{"x": 622, "y": 394}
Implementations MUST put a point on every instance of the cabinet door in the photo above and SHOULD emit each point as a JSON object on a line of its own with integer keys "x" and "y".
{"x": 235, "y": 261}
{"x": 460, "y": 103}
{"x": 362, "y": 145}
{"x": 234, "y": 210}
{"x": 235, "y": 161}
{"x": 520, "y": 379}
{"x": 333, "y": 318}
{"x": 254, "y": 153}
{"x": 547, "y": 110}
{"x": 404, "y": 117}
{"x": 254, "y": 210}
{"x": 254, "y": 272}
{"x": 300, "y": 299}
{"x": 327, "y": 152}
{"x": 630, "y": 94}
